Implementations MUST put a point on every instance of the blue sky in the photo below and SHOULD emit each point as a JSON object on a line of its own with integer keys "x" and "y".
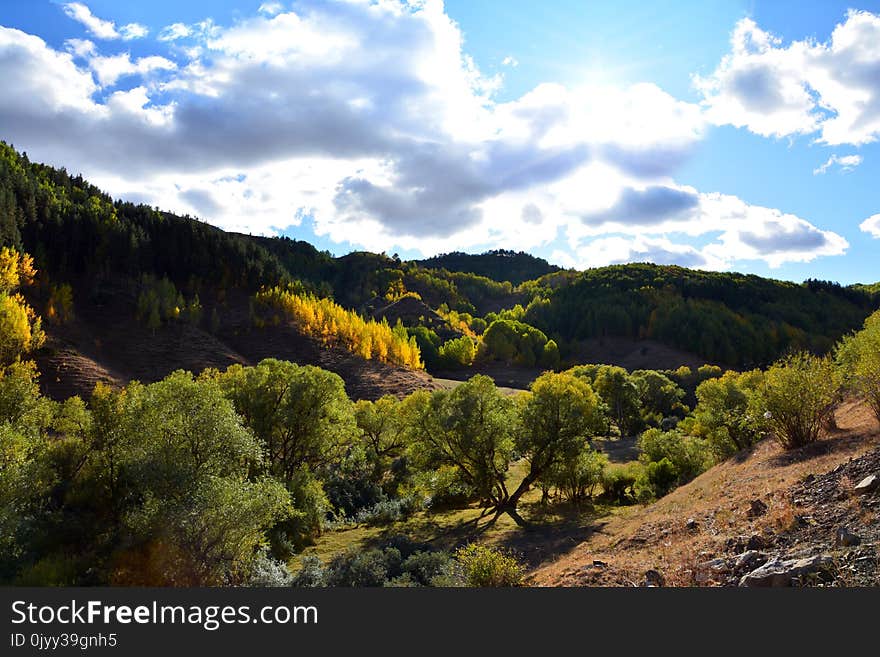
{"x": 721, "y": 135}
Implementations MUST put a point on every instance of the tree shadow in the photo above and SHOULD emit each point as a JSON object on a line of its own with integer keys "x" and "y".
{"x": 838, "y": 440}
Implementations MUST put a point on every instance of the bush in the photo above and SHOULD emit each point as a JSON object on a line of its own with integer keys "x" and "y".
{"x": 363, "y": 567}
{"x": 427, "y": 568}
{"x": 577, "y": 478}
{"x": 618, "y": 482}
{"x": 723, "y": 412}
{"x": 388, "y": 511}
{"x": 267, "y": 571}
{"x": 657, "y": 479}
{"x": 797, "y": 397}
{"x": 484, "y": 566}
{"x": 688, "y": 456}
{"x": 459, "y": 352}
{"x": 311, "y": 575}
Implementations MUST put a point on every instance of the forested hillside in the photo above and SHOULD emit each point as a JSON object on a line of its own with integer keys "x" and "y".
{"x": 499, "y": 265}
{"x": 79, "y": 236}
{"x": 735, "y": 319}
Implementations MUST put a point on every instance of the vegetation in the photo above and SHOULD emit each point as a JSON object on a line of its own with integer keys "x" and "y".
{"x": 333, "y": 324}
{"x": 742, "y": 321}
{"x": 796, "y": 398}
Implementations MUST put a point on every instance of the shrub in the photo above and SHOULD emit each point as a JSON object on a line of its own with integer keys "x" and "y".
{"x": 723, "y": 412}
{"x": 458, "y": 352}
{"x": 797, "y": 397}
{"x": 618, "y": 481}
{"x": 858, "y": 359}
{"x": 688, "y": 456}
{"x": 312, "y": 574}
{"x": 485, "y": 566}
{"x": 428, "y": 568}
{"x": 363, "y": 567}
{"x": 267, "y": 571}
{"x": 657, "y": 479}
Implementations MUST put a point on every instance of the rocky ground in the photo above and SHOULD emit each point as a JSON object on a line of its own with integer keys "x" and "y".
{"x": 832, "y": 537}
{"x": 770, "y": 517}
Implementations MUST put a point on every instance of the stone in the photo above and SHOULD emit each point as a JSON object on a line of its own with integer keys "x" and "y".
{"x": 653, "y": 578}
{"x": 784, "y": 572}
{"x": 845, "y": 538}
{"x": 867, "y": 485}
{"x": 599, "y": 564}
{"x": 756, "y": 508}
{"x": 749, "y": 561}
{"x": 691, "y": 524}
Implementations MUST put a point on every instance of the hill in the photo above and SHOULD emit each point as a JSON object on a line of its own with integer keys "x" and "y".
{"x": 499, "y": 265}
{"x": 638, "y": 315}
{"x": 765, "y": 508}
{"x": 739, "y": 320}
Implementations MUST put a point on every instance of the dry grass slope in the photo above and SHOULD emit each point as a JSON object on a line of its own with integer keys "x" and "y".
{"x": 657, "y": 537}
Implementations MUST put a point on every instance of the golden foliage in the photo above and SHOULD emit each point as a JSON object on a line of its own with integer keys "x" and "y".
{"x": 20, "y": 327}
{"x": 332, "y": 324}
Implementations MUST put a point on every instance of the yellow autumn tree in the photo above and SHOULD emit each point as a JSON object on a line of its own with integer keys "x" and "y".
{"x": 20, "y": 327}
{"x": 332, "y": 324}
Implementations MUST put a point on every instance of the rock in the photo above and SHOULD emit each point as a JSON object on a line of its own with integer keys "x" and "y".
{"x": 749, "y": 561}
{"x": 845, "y": 538}
{"x": 691, "y": 524}
{"x": 867, "y": 485}
{"x": 599, "y": 564}
{"x": 756, "y": 508}
{"x": 779, "y": 572}
{"x": 653, "y": 578}
{"x": 756, "y": 542}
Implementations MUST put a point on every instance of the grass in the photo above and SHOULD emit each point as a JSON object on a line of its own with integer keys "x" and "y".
{"x": 554, "y": 528}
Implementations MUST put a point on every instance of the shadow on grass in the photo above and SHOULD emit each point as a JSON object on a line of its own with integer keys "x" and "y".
{"x": 838, "y": 440}
{"x": 553, "y": 530}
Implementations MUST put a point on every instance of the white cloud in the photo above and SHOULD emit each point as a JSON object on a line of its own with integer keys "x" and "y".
{"x": 846, "y": 163}
{"x": 806, "y": 87}
{"x": 133, "y": 31}
{"x": 100, "y": 28}
{"x": 371, "y": 121}
{"x": 174, "y": 31}
{"x": 271, "y": 8}
{"x": 510, "y": 60}
{"x": 80, "y": 47}
{"x": 109, "y": 69}
{"x": 871, "y": 225}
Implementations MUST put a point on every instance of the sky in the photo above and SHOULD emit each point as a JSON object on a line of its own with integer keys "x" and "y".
{"x": 732, "y": 136}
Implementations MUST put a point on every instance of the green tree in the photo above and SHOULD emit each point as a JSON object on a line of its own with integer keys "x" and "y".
{"x": 469, "y": 428}
{"x": 618, "y": 390}
{"x": 558, "y": 416}
{"x": 797, "y": 397}
{"x": 858, "y": 358}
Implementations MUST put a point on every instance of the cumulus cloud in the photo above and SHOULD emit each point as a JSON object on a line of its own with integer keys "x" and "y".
{"x": 103, "y": 29}
{"x": 830, "y": 88}
{"x": 846, "y": 163}
{"x": 871, "y": 225}
{"x": 370, "y": 122}
{"x": 510, "y": 60}
{"x": 271, "y": 8}
{"x": 174, "y": 31}
{"x": 109, "y": 69}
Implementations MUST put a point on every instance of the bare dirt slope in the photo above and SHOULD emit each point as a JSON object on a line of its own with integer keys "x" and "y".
{"x": 105, "y": 343}
{"x": 634, "y": 354}
{"x": 765, "y": 518}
